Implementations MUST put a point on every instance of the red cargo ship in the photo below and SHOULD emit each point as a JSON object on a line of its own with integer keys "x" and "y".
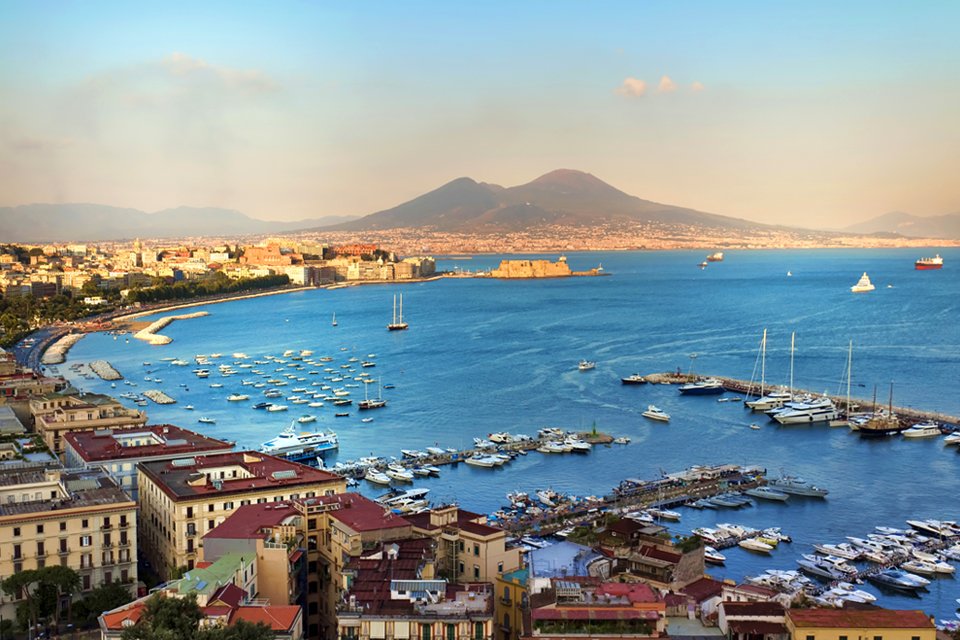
{"x": 924, "y": 264}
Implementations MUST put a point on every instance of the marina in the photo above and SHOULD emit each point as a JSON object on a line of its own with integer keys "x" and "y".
{"x": 511, "y": 349}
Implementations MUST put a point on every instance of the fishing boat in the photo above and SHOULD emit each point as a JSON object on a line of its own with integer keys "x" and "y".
{"x": 586, "y": 365}
{"x": 397, "y": 324}
{"x": 654, "y": 413}
{"x": 634, "y": 378}
{"x": 927, "y": 264}
{"x": 863, "y": 284}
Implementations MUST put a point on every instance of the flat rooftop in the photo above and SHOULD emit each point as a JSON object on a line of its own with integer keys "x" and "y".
{"x": 76, "y": 489}
{"x": 150, "y": 441}
{"x": 226, "y": 473}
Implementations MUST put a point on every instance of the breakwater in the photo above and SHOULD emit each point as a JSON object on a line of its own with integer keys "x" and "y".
{"x": 159, "y": 397}
{"x": 57, "y": 352}
{"x": 105, "y": 370}
{"x": 150, "y": 333}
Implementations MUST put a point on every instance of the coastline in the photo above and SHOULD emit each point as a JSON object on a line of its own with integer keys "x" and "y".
{"x": 149, "y": 334}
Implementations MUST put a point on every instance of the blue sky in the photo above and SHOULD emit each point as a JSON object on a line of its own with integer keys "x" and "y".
{"x": 817, "y": 113}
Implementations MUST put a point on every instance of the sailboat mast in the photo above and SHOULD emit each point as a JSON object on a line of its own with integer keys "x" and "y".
{"x": 394, "y": 308}
{"x": 763, "y": 362}
{"x": 792, "y": 336}
{"x": 401, "y": 308}
{"x": 849, "y": 374}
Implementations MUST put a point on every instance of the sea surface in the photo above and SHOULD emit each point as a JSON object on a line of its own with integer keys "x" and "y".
{"x": 489, "y": 355}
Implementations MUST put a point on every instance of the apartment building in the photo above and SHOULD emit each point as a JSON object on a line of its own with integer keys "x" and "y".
{"x": 182, "y": 499}
{"x": 77, "y": 519}
{"x": 54, "y": 414}
{"x": 119, "y": 451}
{"x": 874, "y": 623}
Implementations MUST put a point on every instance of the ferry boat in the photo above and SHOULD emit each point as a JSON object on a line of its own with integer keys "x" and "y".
{"x": 300, "y": 447}
{"x": 654, "y": 413}
{"x": 634, "y": 378}
{"x": 863, "y": 284}
{"x": 926, "y": 264}
{"x": 710, "y": 386}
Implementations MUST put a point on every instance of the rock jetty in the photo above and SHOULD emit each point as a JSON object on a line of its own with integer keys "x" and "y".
{"x": 57, "y": 353}
{"x": 105, "y": 370}
{"x": 149, "y": 333}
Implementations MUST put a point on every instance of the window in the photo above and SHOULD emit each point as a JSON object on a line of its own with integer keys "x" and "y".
{"x": 476, "y": 549}
{"x": 85, "y": 541}
{"x": 476, "y": 572}
{"x": 124, "y": 575}
{"x": 843, "y": 637}
{"x": 877, "y": 637}
{"x": 107, "y": 577}
{"x": 809, "y": 637}
{"x": 17, "y": 553}
{"x": 107, "y": 542}
{"x": 460, "y": 545}
{"x": 84, "y": 523}
{"x": 499, "y": 567}
{"x": 189, "y": 512}
{"x": 86, "y": 582}
{"x": 39, "y": 529}
{"x": 209, "y": 525}
{"x": 478, "y": 631}
{"x": 123, "y": 521}
{"x": 451, "y": 632}
{"x": 63, "y": 545}
{"x": 41, "y": 551}
{"x": 461, "y": 568}
{"x": 106, "y": 522}
{"x": 16, "y": 532}
{"x": 210, "y": 508}
{"x": 426, "y": 632}
{"x": 63, "y": 526}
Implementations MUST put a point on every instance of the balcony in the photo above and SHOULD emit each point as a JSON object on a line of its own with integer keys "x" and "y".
{"x": 124, "y": 543}
{"x": 106, "y": 544}
{"x": 106, "y": 527}
{"x": 505, "y": 601}
{"x": 64, "y": 551}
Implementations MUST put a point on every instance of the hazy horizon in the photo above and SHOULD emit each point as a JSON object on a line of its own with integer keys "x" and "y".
{"x": 805, "y": 114}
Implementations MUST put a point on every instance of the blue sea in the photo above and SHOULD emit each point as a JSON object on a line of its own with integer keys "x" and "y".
{"x": 487, "y": 355}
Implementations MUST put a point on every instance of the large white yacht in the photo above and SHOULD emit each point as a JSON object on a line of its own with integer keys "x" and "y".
{"x": 772, "y": 400}
{"x": 821, "y": 410}
{"x": 863, "y": 284}
{"x": 300, "y": 446}
{"x": 922, "y": 430}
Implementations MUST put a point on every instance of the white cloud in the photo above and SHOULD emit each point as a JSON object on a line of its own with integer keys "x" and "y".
{"x": 632, "y": 88}
{"x": 696, "y": 87}
{"x": 186, "y": 66}
{"x": 666, "y": 85}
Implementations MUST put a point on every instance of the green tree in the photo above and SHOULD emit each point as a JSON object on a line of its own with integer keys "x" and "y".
{"x": 42, "y": 591}
{"x": 104, "y": 598}
{"x": 169, "y": 618}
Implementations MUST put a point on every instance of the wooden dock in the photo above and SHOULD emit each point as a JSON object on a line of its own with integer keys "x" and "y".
{"x": 908, "y": 416}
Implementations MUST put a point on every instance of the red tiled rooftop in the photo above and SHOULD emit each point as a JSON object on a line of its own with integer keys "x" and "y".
{"x": 102, "y": 445}
{"x": 250, "y": 519}
{"x": 583, "y": 613}
{"x": 114, "y": 619}
{"x": 229, "y": 595}
{"x": 362, "y": 514}
{"x": 860, "y": 618}
{"x": 174, "y": 479}
{"x": 658, "y": 554}
{"x": 636, "y": 592}
{"x": 752, "y": 609}
{"x": 703, "y": 589}
{"x": 277, "y": 617}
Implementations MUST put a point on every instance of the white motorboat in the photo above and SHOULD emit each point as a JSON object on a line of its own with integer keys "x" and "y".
{"x": 922, "y": 430}
{"x": 399, "y": 473}
{"x": 654, "y": 413}
{"x": 713, "y": 556}
{"x": 480, "y": 460}
{"x": 586, "y": 365}
{"x": 953, "y": 438}
{"x": 843, "y": 550}
{"x": 767, "y": 493}
{"x": 548, "y": 497}
{"x": 237, "y": 397}
{"x": 206, "y": 420}
{"x": 277, "y": 407}
{"x": 752, "y": 544}
{"x": 307, "y": 418}
{"x": 376, "y": 477}
{"x": 664, "y": 514}
{"x": 772, "y": 400}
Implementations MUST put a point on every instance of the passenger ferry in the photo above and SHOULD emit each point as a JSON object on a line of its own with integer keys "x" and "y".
{"x": 300, "y": 447}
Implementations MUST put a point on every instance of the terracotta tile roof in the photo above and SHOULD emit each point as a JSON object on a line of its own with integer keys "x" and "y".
{"x": 703, "y": 589}
{"x": 169, "y": 442}
{"x": 547, "y": 613}
{"x": 266, "y": 472}
{"x": 250, "y": 520}
{"x": 229, "y": 594}
{"x": 658, "y": 554}
{"x": 362, "y": 514}
{"x": 752, "y": 609}
{"x": 114, "y": 619}
{"x": 860, "y": 619}
{"x": 636, "y": 592}
{"x": 277, "y": 617}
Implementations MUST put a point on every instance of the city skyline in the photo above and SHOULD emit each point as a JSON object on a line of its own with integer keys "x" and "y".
{"x": 804, "y": 114}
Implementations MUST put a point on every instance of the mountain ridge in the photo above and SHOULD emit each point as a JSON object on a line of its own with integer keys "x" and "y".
{"x": 910, "y": 225}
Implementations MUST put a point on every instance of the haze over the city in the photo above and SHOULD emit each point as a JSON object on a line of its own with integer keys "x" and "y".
{"x": 811, "y": 114}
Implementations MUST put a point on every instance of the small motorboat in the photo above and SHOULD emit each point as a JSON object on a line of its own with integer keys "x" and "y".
{"x": 654, "y": 413}
{"x": 206, "y": 420}
{"x": 586, "y": 365}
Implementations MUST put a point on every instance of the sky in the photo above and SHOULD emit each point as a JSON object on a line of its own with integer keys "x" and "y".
{"x": 809, "y": 113}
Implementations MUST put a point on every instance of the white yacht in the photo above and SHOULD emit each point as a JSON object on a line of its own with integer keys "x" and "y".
{"x": 654, "y": 413}
{"x": 398, "y": 473}
{"x": 300, "y": 446}
{"x": 922, "y": 430}
{"x": 376, "y": 477}
{"x": 237, "y": 397}
{"x": 751, "y": 544}
{"x": 586, "y": 365}
{"x": 863, "y": 284}
{"x": 822, "y": 410}
{"x": 772, "y": 400}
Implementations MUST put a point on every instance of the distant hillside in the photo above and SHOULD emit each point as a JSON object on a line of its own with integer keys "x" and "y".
{"x": 93, "y": 222}
{"x": 563, "y": 197}
{"x": 906, "y": 224}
